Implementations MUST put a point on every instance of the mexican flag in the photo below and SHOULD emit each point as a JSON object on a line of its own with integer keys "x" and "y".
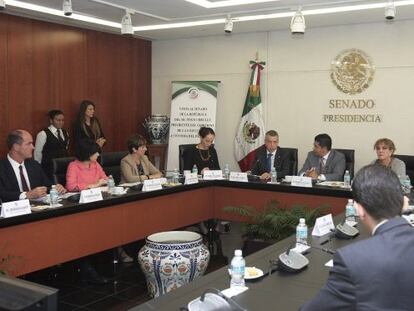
{"x": 251, "y": 131}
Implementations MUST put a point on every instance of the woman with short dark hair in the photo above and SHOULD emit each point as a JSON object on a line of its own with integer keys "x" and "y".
{"x": 87, "y": 125}
{"x": 203, "y": 154}
{"x": 136, "y": 166}
{"x": 85, "y": 172}
{"x": 385, "y": 149}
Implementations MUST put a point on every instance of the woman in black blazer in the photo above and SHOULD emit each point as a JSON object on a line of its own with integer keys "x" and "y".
{"x": 87, "y": 125}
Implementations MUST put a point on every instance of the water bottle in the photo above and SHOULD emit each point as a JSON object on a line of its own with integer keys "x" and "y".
{"x": 350, "y": 212}
{"x": 54, "y": 196}
{"x": 175, "y": 176}
{"x": 302, "y": 233}
{"x": 273, "y": 174}
{"x": 195, "y": 169}
{"x": 347, "y": 179}
{"x": 111, "y": 184}
{"x": 407, "y": 185}
{"x": 237, "y": 269}
{"x": 226, "y": 171}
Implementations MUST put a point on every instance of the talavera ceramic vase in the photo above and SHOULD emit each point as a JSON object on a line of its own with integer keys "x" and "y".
{"x": 172, "y": 259}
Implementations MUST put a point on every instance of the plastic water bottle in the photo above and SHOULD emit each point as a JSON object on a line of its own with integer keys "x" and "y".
{"x": 226, "y": 171}
{"x": 302, "y": 232}
{"x": 407, "y": 184}
{"x": 273, "y": 174}
{"x": 195, "y": 169}
{"x": 347, "y": 179}
{"x": 111, "y": 184}
{"x": 54, "y": 196}
{"x": 237, "y": 269}
{"x": 350, "y": 212}
{"x": 175, "y": 176}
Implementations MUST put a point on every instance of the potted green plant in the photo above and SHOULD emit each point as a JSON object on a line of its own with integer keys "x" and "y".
{"x": 272, "y": 223}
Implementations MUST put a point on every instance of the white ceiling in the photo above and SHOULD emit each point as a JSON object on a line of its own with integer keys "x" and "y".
{"x": 154, "y": 12}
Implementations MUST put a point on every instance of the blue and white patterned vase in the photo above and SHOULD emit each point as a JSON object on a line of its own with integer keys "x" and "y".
{"x": 172, "y": 259}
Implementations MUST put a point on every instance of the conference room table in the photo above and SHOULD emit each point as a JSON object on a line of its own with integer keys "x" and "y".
{"x": 42, "y": 239}
{"x": 279, "y": 290}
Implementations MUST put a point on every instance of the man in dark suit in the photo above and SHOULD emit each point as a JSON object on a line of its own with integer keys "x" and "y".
{"x": 271, "y": 155}
{"x": 376, "y": 273}
{"x": 324, "y": 163}
{"x": 20, "y": 176}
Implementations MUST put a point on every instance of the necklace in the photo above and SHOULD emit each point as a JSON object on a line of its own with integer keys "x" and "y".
{"x": 205, "y": 158}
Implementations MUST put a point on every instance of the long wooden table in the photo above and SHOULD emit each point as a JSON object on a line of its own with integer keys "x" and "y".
{"x": 46, "y": 238}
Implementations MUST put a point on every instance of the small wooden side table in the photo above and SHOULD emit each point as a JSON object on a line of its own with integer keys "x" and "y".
{"x": 158, "y": 155}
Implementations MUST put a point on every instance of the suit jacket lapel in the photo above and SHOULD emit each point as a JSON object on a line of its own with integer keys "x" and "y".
{"x": 11, "y": 175}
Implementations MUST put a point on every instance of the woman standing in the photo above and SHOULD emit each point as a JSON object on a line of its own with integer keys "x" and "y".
{"x": 87, "y": 125}
{"x": 203, "y": 155}
{"x": 385, "y": 149}
{"x": 136, "y": 166}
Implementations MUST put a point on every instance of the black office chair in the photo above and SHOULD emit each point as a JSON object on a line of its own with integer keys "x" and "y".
{"x": 409, "y": 164}
{"x": 111, "y": 164}
{"x": 293, "y": 161}
{"x": 60, "y": 166}
{"x": 349, "y": 160}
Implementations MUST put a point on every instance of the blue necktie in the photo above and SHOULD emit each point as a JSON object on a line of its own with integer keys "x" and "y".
{"x": 269, "y": 162}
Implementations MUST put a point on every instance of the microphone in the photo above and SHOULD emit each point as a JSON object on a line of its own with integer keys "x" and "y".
{"x": 345, "y": 232}
{"x": 324, "y": 249}
{"x": 292, "y": 261}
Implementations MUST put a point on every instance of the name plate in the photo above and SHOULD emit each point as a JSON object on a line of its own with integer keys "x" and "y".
{"x": 191, "y": 178}
{"x": 212, "y": 174}
{"x": 15, "y": 208}
{"x": 91, "y": 195}
{"x": 152, "y": 184}
{"x": 238, "y": 176}
{"x": 323, "y": 225}
{"x": 301, "y": 181}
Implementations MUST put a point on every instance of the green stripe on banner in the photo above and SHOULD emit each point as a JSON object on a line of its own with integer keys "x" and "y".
{"x": 180, "y": 87}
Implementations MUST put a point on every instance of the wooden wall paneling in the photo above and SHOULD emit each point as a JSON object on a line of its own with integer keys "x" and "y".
{"x": 143, "y": 72}
{"x": 4, "y": 121}
{"x": 70, "y": 48}
{"x": 48, "y": 66}
{"x": 20, "y": 73}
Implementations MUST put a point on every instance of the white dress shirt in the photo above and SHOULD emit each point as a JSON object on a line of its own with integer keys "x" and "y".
{"x": 322, "y": 177}
{"x": 15, "y": 165}
{"x": 41, "y": 141}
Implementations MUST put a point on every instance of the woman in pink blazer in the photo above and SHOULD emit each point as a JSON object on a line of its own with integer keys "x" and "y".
{"x": 85, "y": 172}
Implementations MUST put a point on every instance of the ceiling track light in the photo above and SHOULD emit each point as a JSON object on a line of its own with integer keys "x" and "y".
{"x": 67, "y": 7}
{"x": 228, "y": 25}
{"x": 126, "y": 24}
{"x": 390, "y": 10}
{"x": 297, "y": 23}
{"x": 2, "y": 4}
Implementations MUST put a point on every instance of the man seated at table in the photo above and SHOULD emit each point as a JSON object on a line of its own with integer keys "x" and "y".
{"x": 376, "y": 273}
{"x": 324, "y": 163}
{"x": 271, "y": 155}
{"x": 21, "y": 177}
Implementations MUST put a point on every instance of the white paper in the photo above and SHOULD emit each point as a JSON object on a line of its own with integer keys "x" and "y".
{"x": 91, "y": 195}
{"x": 301, "y": 181}
{"x": 234, "y": 291}
{"x": 238, "y": 176}
{"x": 212, "y": 174}
{"x": 323, "y": 225}
{"x": 191, "y": 178}
{"x": 15, "y": 208}
{"x": 300, "y": 248}
{"x": 329, "y": 263}
{"x": 152, "y": 184}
